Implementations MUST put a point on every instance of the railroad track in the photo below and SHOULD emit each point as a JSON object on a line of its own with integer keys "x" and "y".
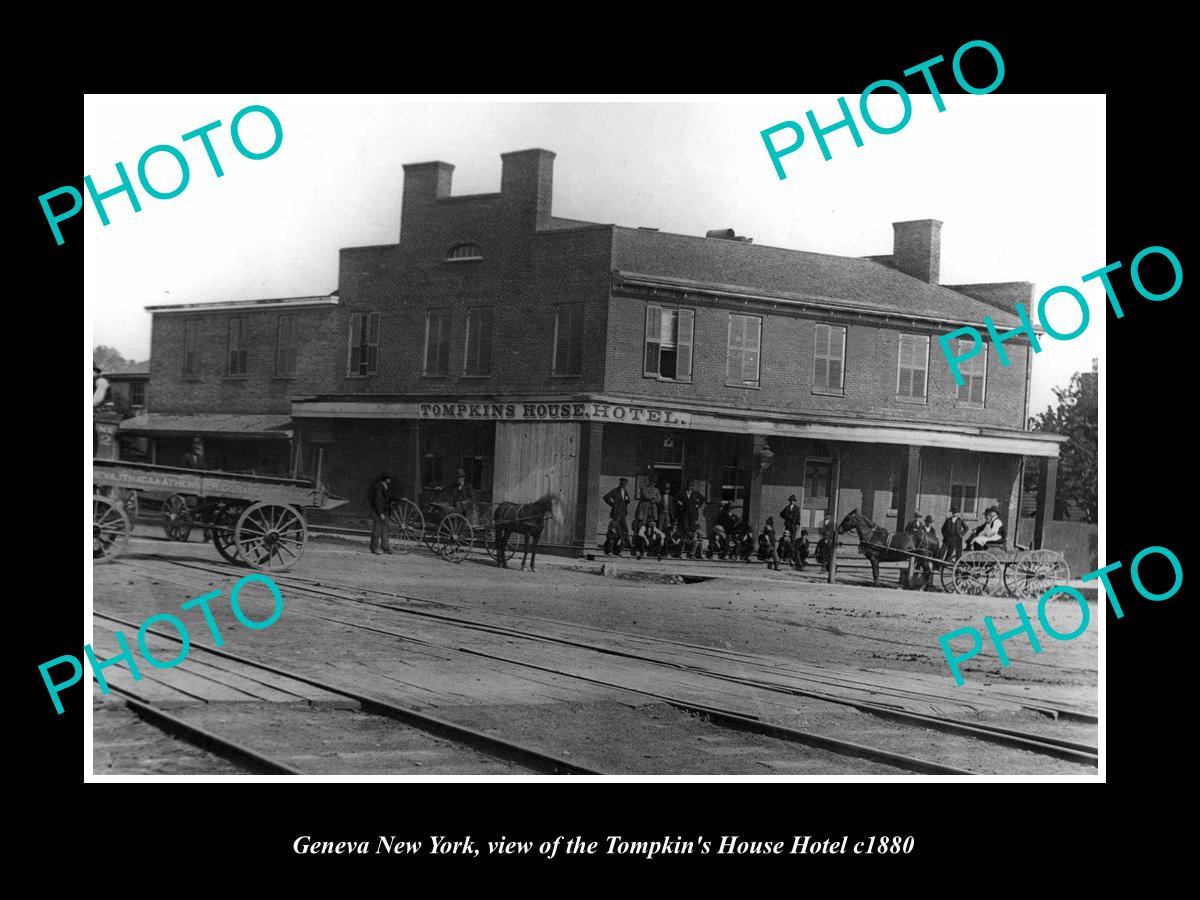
{"x": 490, "y": 745}
{"x": 1074, "y": 752}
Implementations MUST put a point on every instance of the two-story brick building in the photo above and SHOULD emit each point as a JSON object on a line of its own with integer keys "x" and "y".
{"x": 539, "y": 353}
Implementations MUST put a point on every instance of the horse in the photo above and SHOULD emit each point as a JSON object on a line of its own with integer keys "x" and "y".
{"x": 875, "y": 545}
{"x": 528, "y": 520}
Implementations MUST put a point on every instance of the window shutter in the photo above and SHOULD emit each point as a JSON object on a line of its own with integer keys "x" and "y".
{"x": 683, "y": 366}
{"x": 485, "y": 342}
{"x": 653, "y": 335}
{"x": 576, "y": 353}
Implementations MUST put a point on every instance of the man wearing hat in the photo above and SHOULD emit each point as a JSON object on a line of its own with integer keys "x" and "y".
{"x": 618, "y": 528}
{"x": 379, "y": 495}
{"x": 953, "y": 530}
{"x": 691, "y": 502}
{"x": 990, "y": 532}
{"x": 460, "y": 494}
{"x": 790, "y": 515}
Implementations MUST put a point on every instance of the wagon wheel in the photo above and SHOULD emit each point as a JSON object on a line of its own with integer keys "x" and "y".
{"x": 973, "y": 571}
{"x": 1034, "y": 572}
{"x": 455, "y": 537}
{"x": 947, "y": 577}
{"x": 224, "y": 524}
{"x": 270, "y": 536}
{"x": 110, "y": 529}
{"x": 510, "y": 545}
{"x": 177, "y": 518}
{"x": 406, "y": 526}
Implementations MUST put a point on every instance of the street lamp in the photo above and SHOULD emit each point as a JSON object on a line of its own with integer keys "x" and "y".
{"x": 764, "y": 455}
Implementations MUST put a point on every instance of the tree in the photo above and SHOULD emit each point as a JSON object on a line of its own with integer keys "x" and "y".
{"x": 108, "y": 358}
{"x": 1076, "y": 417}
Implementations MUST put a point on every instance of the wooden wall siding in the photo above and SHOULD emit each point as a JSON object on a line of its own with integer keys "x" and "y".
{"x": 533, "y": 458}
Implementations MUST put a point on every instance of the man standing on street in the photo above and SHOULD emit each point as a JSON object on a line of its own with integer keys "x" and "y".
{"x": 691, "y": 502}
{"x": 380, "y": 498}
{"x": 790, "y": 515}
{"x": 953, "y": 530}
{"x": 618, "y": 528}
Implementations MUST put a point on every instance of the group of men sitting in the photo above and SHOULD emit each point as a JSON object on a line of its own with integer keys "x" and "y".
{"x": 669, "y": 524}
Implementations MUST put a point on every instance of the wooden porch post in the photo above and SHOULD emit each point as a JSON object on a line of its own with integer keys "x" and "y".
{"x": 833, "y": 513}
{"x": 1045, "y": 500}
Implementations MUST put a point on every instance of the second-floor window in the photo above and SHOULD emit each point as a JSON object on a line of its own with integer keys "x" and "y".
{"x": 974, "y": 373}
{"x": 568, "y": 339}
{"x": 669, "y": 343}
{"x": 479, "y": 341}
{"x": 285, "y": 347}
{"x": 238, "y": 351}
{"x": 829, "y": 359}
{"x": 191, "y": 349}
{"x": 913, "y": 375}
{"x": 137, "y": 393}
{"x": 437, "y": 342}
{"x": 745, "y": 344}
{"x": 364, "y": 344}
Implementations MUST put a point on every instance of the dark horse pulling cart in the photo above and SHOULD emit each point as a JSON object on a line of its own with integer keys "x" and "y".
{"x": 1023, "y": 572}
{"x": 252, "y": 519}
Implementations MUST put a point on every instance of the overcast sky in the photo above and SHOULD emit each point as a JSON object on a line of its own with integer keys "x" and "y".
{"x": 1018, "y": 181}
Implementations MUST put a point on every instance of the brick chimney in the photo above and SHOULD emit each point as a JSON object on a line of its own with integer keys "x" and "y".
{"x": 527, "y": 181}
{"x": 917, "y": 249}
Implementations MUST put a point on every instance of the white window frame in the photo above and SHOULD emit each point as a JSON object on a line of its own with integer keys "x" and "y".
{"x": 577, "y": 310}
{"x": 479, "y": 311}
{"x": 742, "y": 350}
{"x": 840, "y": 391}
{"x": 443, "y": 315}
{"x": 973, "y": 514}
{"x": 908, "y": 398}
{"x": 680, "y": 313}
{"x": 982, "y": 356}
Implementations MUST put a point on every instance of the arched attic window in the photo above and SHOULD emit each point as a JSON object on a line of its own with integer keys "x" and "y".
{"x": 464, "y": 253}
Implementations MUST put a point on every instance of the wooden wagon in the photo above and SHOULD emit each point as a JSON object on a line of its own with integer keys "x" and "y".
{"x": 450, "y": 530}
{"x": 1022, "y": 572}
{"x": 252, "y": 519}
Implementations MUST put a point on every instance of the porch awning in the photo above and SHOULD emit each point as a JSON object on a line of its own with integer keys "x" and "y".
{"x": 220, "y": 425}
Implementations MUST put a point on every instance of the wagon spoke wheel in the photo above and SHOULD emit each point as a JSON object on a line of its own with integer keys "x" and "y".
{"x": 973, "y": 572}
{"x": 947, "y": 576}
{"x": 455, "y": 537}
{"x": 177, "y": 518}
{"x": 110, "y": 529}
{"x": 224, "y": 525}
{"x": 270, "y": 536}
{"x": 1034, "y": 572}
{"x": 406, "y": 526}
{"x": 510, "y": 545}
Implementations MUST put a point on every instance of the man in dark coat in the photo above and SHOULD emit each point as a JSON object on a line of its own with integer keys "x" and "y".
{"x": 790, "y": 515}
{"x": 953, "y": 530}
{"x": 691, "y": 502}
{"x": 460, "y": 494}
{"x": 380, "y": 499}
{"x": 194, "y": 458}
{"x": 618, "y": 508}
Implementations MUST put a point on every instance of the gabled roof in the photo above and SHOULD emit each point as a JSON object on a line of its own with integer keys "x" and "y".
{"x": 794, "y": 274}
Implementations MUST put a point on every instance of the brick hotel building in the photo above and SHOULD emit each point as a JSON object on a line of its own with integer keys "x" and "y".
{"x": 541, "y": 353}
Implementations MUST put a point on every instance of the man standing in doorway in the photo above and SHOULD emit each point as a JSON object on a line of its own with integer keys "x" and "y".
{"x": 618, "y": 528}
{"x": 380, "y": 498}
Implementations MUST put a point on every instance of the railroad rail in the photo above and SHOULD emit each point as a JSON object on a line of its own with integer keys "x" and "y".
{"x": 1074, "y": 752}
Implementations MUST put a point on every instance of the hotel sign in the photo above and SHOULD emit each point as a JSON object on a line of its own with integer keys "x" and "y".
{"x": 556, "y": 412}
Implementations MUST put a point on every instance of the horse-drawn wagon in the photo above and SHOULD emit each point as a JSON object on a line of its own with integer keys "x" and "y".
{"x": 252, "y": 519}
{"x": 453, "y": 529}
{"x": 1022, "y": 572}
